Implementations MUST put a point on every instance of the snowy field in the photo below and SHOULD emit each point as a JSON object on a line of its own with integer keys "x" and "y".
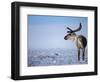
{"x": 48, "y": 57}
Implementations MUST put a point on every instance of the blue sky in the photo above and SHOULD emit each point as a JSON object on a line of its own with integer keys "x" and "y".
{"x": 49, "y": 31}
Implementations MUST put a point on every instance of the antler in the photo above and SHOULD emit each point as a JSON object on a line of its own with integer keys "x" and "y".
{"x": 70, "y": 30}
{"x": 78, "y": 29}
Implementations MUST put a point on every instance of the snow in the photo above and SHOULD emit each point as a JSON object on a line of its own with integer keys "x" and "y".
{"x": 51, "y": 57}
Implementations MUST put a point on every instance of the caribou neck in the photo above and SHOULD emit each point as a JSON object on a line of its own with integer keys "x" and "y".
{"x": 74, "y": 38}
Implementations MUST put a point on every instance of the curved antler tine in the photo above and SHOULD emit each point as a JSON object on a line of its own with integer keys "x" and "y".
{"x": 80, "y": 25}
{"x": 70, "y": 30}
{"x": 78, "y": 29}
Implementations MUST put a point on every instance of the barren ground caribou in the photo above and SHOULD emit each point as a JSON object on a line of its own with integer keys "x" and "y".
{"x": 80, "y": 40}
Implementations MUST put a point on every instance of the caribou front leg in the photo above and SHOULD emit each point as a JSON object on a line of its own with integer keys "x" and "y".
{"x": 83, "y": 53}
{"x": 78, "y": 54}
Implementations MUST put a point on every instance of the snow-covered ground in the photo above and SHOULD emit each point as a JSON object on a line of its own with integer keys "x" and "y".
{"x": 47, "y": 57}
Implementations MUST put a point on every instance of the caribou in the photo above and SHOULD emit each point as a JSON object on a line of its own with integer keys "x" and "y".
{"x": 79, "y": 40}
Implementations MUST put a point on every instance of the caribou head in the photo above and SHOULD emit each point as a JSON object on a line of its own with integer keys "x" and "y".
{"x": 71, "y": 33}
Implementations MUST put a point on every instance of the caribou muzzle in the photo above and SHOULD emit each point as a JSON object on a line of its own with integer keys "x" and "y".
{"x": 66, "y": 37}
